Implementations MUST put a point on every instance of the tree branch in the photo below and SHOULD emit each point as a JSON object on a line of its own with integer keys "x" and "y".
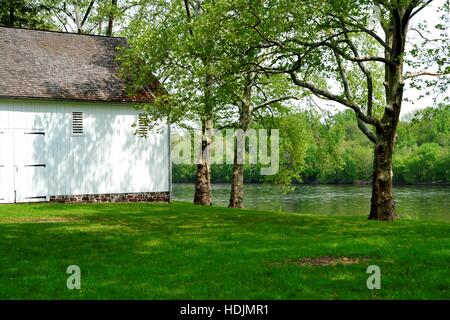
{"x": 371, "y": 33}
{"x": 344, "y": 79}
{"x": 409, "y": 76}
{"x": 188, "y": 14}
{"x": 362, "y": 126}
{"x": 359, "y": 59}
{"x": 326, "y": 43}
{"x": 68, "y": 13}
{"x": 365, "y": 129}
{"x": 63, "y": 23}
{"x": 420, "y": 8}
{"x": 368, "y": 75}
{"x": 427, "y": 39}
{"x": 269, "y": 102}
{"x": 88, "y": 11}
{"x": 330, "y": 96}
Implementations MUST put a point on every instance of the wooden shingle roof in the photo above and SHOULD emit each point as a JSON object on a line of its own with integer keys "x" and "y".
{"x": 55, "y": 65}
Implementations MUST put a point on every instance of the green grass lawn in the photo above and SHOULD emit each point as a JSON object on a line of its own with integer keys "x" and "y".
{"x": 181, "y": 251}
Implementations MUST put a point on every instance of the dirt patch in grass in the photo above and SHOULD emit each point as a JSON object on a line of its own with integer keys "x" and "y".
{"x": 52, "y": 220}
{"x": 37, "y": 220}
{"x": 323, "y": 261}
{"x": 329, "y": 261}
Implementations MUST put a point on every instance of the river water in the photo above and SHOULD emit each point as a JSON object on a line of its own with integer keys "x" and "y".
{"x": 413, "y": 202}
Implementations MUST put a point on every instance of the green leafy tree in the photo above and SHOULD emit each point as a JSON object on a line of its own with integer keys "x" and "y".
{"x": 91, "y": 16}
{"x": 249, "y": 95}
{"x": 294, "y": 141}
{"x": 202, "y": 55}
{"x": 339, "y": 40}
{"x": 25, "y": 14}
{"x": 179, "y": 49}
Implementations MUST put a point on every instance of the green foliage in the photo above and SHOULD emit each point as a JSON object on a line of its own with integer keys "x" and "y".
{"x": 295, "y": 137}
{"x": 25, "y": 14}
{"x": 422, "y": 153}
{"x": 177, "y": 50}
{"x": 99, "y": 17}
{"x": 82, "y": 16}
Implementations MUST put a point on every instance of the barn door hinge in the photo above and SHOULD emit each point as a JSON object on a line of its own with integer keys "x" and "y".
{"x": 39, "y": 133}
{"x": 35, "y": 165}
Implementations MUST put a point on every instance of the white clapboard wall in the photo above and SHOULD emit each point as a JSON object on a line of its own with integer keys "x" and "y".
{"x": 73, "y": 148}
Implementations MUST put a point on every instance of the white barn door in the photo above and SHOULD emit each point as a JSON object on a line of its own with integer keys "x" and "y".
{"x": 30, "y": 172}
{"x": 6, "y": 166}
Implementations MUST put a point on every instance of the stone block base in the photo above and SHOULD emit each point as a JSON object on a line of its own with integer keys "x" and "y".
{"x": 113, "y": 197}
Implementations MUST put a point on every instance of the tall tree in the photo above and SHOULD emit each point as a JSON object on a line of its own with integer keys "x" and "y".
{"x": 203, "y": 187}
{"x": 251, "y": 94}
{"x": 340, "y": 42}
{"x": 90, "y": 16}
{"x": 25, "y": 14}
{"x": 178, "y": 50}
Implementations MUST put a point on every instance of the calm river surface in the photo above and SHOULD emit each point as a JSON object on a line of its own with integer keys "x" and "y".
{"x": 413, "y": 202}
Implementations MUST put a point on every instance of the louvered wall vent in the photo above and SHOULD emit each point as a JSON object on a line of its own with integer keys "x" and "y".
{"x": 77, "y": 123}
{"x": 142, "y": 127}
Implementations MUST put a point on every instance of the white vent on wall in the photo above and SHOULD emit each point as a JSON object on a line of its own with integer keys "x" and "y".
{"x": 142, "y": 126}
{"x": 77, "y": 123}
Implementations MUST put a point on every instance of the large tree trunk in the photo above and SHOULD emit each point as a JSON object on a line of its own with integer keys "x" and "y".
{"x": 203, "y": 185}
{"x": 382, "y": 203}
{"x": 237, "y": 185}
{"x": 203, "y": 178}
{"x": 203, "y": 188}
{"x": 237, "y": 177}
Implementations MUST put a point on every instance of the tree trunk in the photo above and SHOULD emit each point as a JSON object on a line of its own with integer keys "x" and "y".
{"x": 237, "y": 185}
{"x": 203, "y": 185}
{"x": 237, "y": 177}
{"x": 203, "y": 193}
{"x": 12, "y": 15}
{"x": 109, "y": 30}
{"x": 77, "y": 21}
{"x": 382, "y": 203}
{"x": 203, "y": 188}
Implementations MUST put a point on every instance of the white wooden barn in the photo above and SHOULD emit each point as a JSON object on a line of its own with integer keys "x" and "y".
{"x": 66, "y": 130}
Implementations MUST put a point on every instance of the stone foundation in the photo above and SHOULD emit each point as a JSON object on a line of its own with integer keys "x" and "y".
{"x": 113, "y": 197}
